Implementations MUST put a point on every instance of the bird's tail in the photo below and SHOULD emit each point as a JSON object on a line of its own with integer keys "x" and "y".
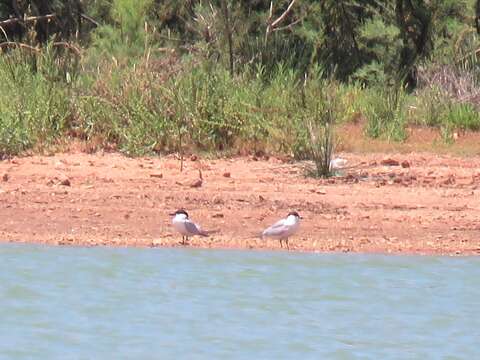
{"x": 208, "y": 232}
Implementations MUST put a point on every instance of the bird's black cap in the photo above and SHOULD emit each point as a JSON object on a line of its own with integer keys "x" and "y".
{"x": 294, "y": 213}
{"x": 181, "y": 211}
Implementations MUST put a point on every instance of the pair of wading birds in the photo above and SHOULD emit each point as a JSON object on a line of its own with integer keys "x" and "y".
{"x": 281, "y": 230}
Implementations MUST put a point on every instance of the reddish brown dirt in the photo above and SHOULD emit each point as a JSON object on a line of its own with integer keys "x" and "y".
{"x": 432, "y": 206}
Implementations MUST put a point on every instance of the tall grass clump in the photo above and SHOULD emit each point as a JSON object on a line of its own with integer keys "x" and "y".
{"x": 278, "y": 103}
{"x": 211, "y": 109}
{"x": 430, "y": 106}
{"x": 458, "y": 117}
{"x": 386, "y": 112}
{"x": 208, "y": 94}
{"x": 34, "y": 102}
{"x": 462, "y": 117}
{"x": 321, "y": 110}
{"x": 126, "y": 109}
{"x": 199, "y": 106}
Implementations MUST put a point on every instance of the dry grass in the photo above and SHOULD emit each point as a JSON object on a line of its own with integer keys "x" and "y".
{"x": 459, "y": 85}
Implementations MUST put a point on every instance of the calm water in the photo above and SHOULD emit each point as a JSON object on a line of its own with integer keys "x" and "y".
{"x": 102, "y": 303}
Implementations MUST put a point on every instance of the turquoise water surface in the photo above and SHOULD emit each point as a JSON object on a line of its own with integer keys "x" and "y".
{"x": 116, "y": 303}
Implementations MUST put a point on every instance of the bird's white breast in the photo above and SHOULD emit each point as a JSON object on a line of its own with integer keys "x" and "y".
{"x": 292, "y": 223}
{"x": 179, "y": 224}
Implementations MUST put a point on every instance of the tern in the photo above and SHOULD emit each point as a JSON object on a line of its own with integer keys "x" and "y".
{"x": 283, "y": 228}
{"x": 185, "y": 226}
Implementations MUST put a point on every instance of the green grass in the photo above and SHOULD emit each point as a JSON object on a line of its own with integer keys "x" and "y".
{"x": 161, "y": 104}
{"x": 34, "y": 109}
{"x": 386, "y": 113}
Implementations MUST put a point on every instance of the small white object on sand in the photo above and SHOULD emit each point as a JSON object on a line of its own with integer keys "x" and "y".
{"x": 337, "y": 163}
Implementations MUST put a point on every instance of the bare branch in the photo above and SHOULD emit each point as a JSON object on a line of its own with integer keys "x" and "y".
{"x": 280, "y": 19}
{"x": 270, "y": 13}
{"x": 27, "y": 19}
{"x": 68, "y": 46}
{"x": 63, "y": 44}
{"x": 289, "y": 26}
{"x": 271, "y": 25}
{"x": 92, "y": 20}
{"x": 17, "y": 44}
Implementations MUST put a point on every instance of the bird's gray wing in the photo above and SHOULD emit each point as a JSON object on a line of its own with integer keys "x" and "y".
{"x": 194, "y": 229}
{"x": 276, "y": 229}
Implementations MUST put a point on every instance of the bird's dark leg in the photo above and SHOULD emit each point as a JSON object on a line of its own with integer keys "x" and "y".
{"x": 183, "y": 239}
{"x": 286, "y": 241}
{"x": 281, "y": 243}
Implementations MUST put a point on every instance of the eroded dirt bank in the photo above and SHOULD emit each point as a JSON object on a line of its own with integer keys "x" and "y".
{"x": 428, "y": 205}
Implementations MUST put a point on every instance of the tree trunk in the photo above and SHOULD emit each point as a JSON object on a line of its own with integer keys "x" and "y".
{"x": 414, "y": 23}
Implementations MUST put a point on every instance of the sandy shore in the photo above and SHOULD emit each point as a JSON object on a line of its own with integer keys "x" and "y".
{"x": 413, "y": 203}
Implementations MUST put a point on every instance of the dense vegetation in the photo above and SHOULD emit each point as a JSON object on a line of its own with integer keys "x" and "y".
{"x": 145, "y": 76}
